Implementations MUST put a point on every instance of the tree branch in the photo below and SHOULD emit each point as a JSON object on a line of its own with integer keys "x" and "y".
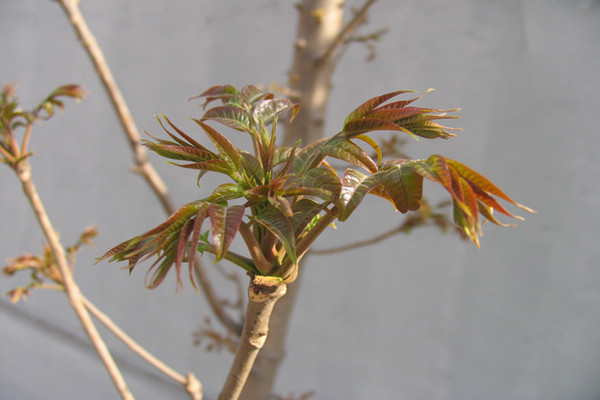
{"x": 402, "y": 228}
{"x": 94, "y": 51}
{"x": 142, "y": 165}
{"x": 186, "y": 381}
{"x": 347, "y": 31}
{"x": 74, "y": 295}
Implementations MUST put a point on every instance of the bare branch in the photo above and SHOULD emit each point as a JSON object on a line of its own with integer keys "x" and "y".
{"x": 139, "y": 350}
{"x": 74, "y": 295}
{"x": 142, "y": 165}
{"x": 347, "y": 31}
{"x": 89, "y": 42}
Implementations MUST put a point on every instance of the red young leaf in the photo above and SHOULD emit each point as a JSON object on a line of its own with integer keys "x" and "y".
{"x": 483, "y": 183}
{"x": 225, "y": 223}
{"x": 190, "y": 141}
{"x": 370, "y": 104}
{"x": 404, "y": 187}
{"x": 227, "y": 150}
{"x": 359, "y": 126}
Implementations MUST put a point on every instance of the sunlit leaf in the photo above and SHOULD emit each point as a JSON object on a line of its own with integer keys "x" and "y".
{"x": 251, "y": 94}
{"x": 309, "y": 157}
{"x": 324, "y": 181}
{"x": 404, "y": 186}
{"x": 227, "y": 150}
{"x": 370, "y": 104}
{"x": 222, "y": 92}
{"x": 188, "y": 140}
{"x": 220, "y": 166}
{"x": 345, "y": 150}
{"x": 483, "y": 183}
{"x": 373, "y": 144}
{"x": 176, "y": 152}
{"x": 230, "y": 116}
{"x": 267, "y": 110}
{"x": 357, "y": 127}
{"x": 225, "y": 192}
{"x": 355, "y": 186}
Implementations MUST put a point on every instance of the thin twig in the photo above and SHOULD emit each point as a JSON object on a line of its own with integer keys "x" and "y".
{"x": 403, "y": 228}
{"x": 143, "y": 166}
{"x": 90, "y": 44}
{"x": 215, "y": 304}
{"x": 139, "y": 350}
{"x": 23, "y": 171}
{"x": 347, "y": 31}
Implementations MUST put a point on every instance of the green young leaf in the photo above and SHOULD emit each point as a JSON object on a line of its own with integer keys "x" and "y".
{"x": 355, "y": 186}
{"x": 281, "y": 226}
{"x": 48, "y": 104}
{"x": 345, "y": 150}
{"x": 323, "y": 181}
{"x": 227, "y": 150}
{"x": 309, "y": 157}
{"x": 251, "y": 169}
{"x": 267, "y": 110}
{"x": 176, "y": 152}
{"x": 225, "y": 192}
{"x": 373, "y": 144}
{"x": 403, "y": 186}
{"x": 304, "y": 212}
{"x": 231, "y": 116}
{"x": 251, "y": 94}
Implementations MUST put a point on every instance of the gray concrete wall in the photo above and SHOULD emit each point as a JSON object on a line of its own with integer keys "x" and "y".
{"x": 419, "y": 317}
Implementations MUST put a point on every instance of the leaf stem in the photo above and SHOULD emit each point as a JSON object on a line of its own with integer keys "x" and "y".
{"x": 261, "y": 263}
{"x": 26, "y": 138}
{"x": 289, "y": 268}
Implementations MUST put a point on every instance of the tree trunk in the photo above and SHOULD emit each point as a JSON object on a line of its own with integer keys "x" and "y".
{"x": 263, "y": 293}
{"x": 319, "y": 25}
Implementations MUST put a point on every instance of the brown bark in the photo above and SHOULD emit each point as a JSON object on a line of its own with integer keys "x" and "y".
{"x": 319, "y": 25}
{"x": 263, "y": 293}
